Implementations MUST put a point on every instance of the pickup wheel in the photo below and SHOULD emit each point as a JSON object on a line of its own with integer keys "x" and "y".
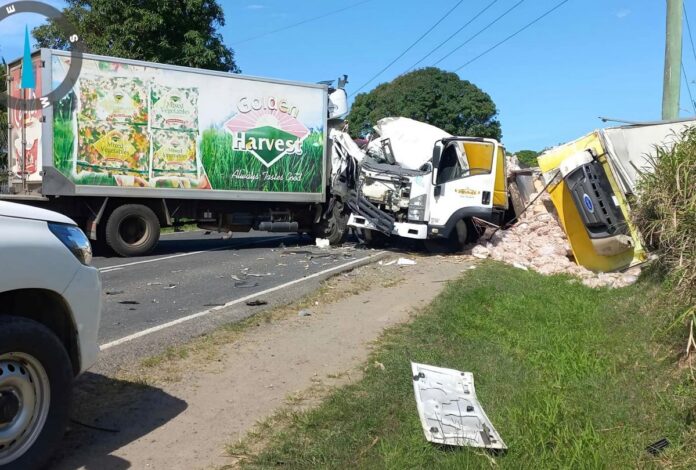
{"x": 35, "y": 393}
{"x": 132, "y": 230}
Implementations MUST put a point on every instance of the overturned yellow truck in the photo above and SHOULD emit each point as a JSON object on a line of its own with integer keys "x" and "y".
{"x": 592, "y": 182}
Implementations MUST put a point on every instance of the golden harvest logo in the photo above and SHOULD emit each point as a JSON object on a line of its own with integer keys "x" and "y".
{"x": 267, "y": 128}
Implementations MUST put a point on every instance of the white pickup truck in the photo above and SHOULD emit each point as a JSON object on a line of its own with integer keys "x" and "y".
{"x": 50, "y": 307}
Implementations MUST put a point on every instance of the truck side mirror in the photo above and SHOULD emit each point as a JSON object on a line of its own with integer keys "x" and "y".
{"x": 436, "y": 156}
{"x": 438, "y": 190}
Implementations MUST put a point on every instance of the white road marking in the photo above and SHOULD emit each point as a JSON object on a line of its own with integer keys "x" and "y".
{"x": 178, "y": 321}
{"x": 107, "y": 269}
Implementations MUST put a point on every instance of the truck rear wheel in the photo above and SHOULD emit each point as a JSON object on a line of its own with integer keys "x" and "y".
{"x": 35, "y": 393}
{"x": 132, "y": 230}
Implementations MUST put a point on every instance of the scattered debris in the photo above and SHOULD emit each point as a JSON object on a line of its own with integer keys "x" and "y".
{"x": 539, "y": 243}
{"x": 129, "y": 302}
{"x": 406, "y": 262}
{"x": 213, "y": 305}
{"x": 657, "y": 447}
{"x": 304, "y": 313}
{"x": 246, "y": 284}
{"x": 256, "y": 303}
{"x": 449, "y": 410}
{"x": 170, "y": 286}
{"x": 379, "y": 365}
{"x": 323, "y": 243}
{"x": 114, "y": 292}
{"x": 154, "y": 283}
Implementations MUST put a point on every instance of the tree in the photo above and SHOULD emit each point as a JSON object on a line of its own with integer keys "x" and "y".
{"x": 528, "y": 158}
{"x": 178, "y": 32}
{"x": 429, "y": 95}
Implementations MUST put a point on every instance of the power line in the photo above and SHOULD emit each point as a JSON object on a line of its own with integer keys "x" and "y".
{"x": 454, "y": 34}
{"x": 481, "y": 31}
{"x": 528, "y": 25}
{"x": 688, "y": 87}
{"x": 300, "y": 23}
{"x": 409, "y": 47}
{"x": 691, "y": 38}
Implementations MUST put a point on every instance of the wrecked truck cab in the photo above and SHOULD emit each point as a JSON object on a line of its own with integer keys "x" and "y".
{"x": 434, "y": 191}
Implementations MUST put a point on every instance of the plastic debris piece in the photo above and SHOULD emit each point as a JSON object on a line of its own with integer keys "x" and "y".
{"x": 304, "y": 313}
{"x": 256, "y": 303}
{"x": 323, "y": 243}
{"x": 449, "y": 411}
{"x": 406, "y": 262}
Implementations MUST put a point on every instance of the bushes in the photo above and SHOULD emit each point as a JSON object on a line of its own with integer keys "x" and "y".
{"x": 666, "y": 212}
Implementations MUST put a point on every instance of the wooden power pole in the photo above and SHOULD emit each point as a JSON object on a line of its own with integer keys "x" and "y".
{"x": 673, "y": 57}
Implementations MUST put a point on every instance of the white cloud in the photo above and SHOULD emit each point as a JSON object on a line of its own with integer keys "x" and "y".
{"x": 623, "y": 13}
{"x": 255, "y": 6}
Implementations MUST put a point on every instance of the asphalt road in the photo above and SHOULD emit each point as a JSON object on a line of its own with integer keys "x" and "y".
{"x": 193, "y": 273}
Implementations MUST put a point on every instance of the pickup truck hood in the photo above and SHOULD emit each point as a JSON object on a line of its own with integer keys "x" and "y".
{"x": 21, "y": 211}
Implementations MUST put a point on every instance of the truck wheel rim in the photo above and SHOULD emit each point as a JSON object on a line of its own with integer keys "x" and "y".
{"x": 24, "y": 380}
{"x": 133, "y": 230}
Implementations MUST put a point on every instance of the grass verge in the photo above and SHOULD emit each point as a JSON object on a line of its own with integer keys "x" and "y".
{"x": 571, "y": 377}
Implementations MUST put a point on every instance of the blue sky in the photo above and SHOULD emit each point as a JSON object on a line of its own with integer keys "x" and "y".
{"x": 589, "y": 58}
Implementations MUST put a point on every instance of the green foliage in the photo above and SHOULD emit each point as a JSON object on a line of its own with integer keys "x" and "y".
{"x": 429, "y": 95}
{"x": 571, "y": 377}
{"x": 178, "y": 32}
{"x": 527, "y": 158}
{"x": 221, "y": 163}
{"x": 666, "y": 211}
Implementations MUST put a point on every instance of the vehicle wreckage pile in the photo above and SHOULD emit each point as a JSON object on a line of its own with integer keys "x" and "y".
{"x": 538, "y": 242}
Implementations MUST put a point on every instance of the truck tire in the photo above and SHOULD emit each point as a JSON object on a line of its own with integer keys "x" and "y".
{"x": 457, "y": 240}
{"x": 35, "y": 393}
{"x": 335, "y": 227}
{"x": 132, "y": 230}
{"x": 375, "y": 239}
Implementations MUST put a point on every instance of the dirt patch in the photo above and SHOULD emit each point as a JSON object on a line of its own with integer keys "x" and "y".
{"x": 239, "y": 375}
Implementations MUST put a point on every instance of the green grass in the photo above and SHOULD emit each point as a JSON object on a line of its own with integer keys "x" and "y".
{"x": 220, "y": 162}
{"x": 571, "y": 378}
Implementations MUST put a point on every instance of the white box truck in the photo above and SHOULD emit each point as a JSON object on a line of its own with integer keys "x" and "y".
{"x": 134, "y": 146}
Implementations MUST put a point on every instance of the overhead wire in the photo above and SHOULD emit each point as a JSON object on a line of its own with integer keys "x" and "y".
{"x": 527, "y": 26}
{"x": 688, "y": 88}
{"x": 442, "y": 18}
{"x": 300, "y": 23}
{"x": 485, "y": 28}
{"x": 693, "y": 51}
{"x": 486, "y": 8}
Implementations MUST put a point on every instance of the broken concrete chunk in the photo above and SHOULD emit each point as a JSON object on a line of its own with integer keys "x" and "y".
{"x": 449, "y": 411}
{"x": 480, "y": 252}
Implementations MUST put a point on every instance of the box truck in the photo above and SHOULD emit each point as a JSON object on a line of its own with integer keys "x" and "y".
{"x": 135, "y": 146}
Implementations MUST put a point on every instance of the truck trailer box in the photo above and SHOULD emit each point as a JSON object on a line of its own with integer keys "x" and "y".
{"x": 129, "y": 128}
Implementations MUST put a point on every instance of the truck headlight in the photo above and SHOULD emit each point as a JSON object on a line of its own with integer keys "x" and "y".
{"x": 74, "y": 239}
{"x": 416, "y": 208}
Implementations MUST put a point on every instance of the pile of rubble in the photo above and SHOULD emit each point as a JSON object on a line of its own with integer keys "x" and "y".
{"x": 538, "y": 242}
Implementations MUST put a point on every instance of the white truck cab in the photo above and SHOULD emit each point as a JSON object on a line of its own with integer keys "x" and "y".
{"x": 50, "y": 306}
{"x": 465, "y": 178}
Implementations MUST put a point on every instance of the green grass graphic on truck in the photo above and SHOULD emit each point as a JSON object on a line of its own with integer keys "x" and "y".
{"x": 234, "y": 169}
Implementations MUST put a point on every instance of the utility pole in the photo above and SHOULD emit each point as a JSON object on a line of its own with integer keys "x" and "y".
{"x": 673, "y": 57}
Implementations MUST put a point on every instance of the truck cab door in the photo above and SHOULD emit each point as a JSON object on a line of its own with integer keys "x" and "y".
{"x": 465, "y": 177}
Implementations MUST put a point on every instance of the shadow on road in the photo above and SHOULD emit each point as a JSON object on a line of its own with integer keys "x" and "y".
{"x": 117, "y": 412}
{"x": 181, "y": 243}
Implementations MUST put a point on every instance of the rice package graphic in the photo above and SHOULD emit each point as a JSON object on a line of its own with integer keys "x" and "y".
{"x": 113, "y": 149}
{"x": 113, "y": 99}
{"x": 174, "y": 108}
{"x": 174, "y": 153}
